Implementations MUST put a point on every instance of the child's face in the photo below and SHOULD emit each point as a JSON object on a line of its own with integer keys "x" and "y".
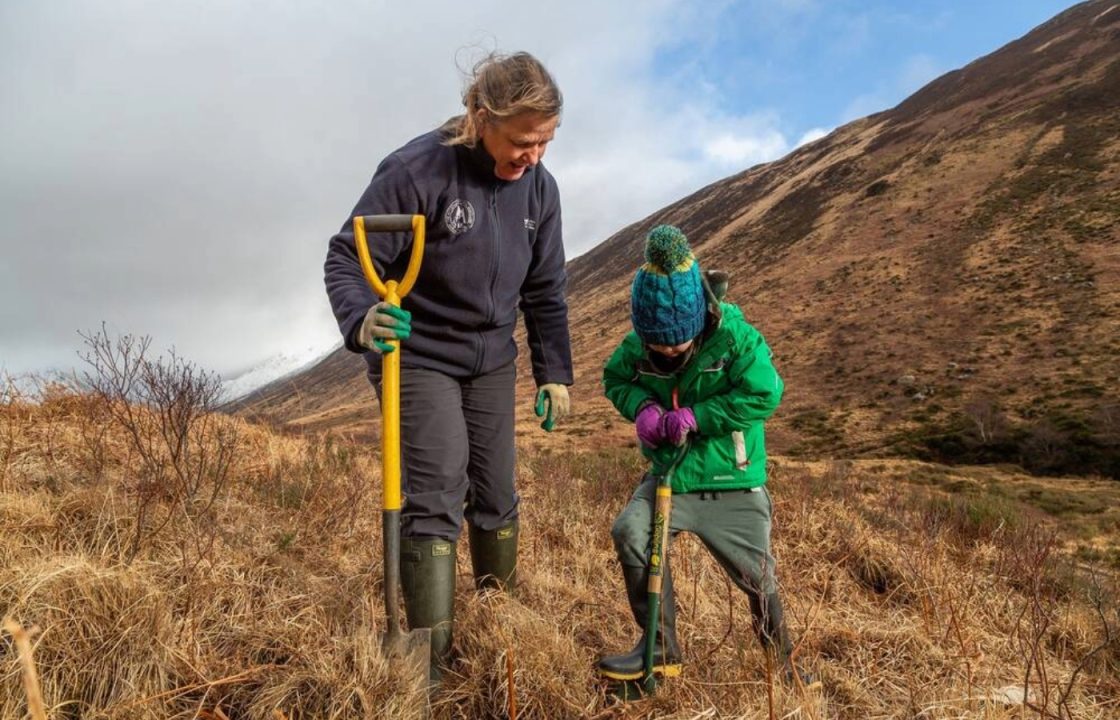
{"x": 671, "y": 350}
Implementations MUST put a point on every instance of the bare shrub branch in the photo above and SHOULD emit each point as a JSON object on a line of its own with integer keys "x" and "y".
{"x": 166, "y": 407}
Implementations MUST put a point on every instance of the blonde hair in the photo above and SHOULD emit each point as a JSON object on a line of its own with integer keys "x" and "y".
{"x": 504, "y": 86}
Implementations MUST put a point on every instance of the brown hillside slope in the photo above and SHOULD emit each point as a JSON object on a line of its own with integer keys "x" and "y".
{"x": 913, "y": 590}
{"x": 956, "y": 252}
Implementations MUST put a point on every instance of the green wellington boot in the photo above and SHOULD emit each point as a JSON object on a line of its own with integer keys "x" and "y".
{"x": 428, "y": 583}
{"x": 667, "y": 654}
{"x": 494, "y": 557}
{"x": 769, "y": 624}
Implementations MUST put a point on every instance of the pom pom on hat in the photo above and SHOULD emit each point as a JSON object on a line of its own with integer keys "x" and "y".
{"x": 667, "y": 301}
{"x": 667, "y": 248}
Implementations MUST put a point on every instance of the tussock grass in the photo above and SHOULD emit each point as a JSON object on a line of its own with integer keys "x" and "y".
{"x": 269, "y": 603}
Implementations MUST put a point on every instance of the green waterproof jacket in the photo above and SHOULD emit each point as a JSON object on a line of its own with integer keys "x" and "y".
{"x": 731, "y": 386}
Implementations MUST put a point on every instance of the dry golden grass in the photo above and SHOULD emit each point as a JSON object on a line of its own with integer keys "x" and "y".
{"x": 902, "y": 605}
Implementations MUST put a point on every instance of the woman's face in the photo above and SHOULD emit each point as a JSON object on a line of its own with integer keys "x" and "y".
{"x": 517, "y": 143}
{"x": 671, "y": 351}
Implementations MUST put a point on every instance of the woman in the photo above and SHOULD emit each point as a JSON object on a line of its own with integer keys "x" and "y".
{"x": 493, "y": 246}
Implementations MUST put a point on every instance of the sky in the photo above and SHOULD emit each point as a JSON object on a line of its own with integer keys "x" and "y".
{"x": 175, "y": 169}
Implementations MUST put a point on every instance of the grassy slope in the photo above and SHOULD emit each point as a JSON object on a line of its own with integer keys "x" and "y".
{"x": 954, "y": 254}
{"x": 914, "y": 589}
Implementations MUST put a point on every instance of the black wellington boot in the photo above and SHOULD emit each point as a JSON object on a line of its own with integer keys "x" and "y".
{"x": 428, "y": 582}
{"x": 494, "y": 557}
{"x": 667, "y": 652}
{"x": 769, "y": 624}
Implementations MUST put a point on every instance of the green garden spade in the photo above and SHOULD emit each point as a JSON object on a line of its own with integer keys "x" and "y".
{"x": 414, "y": 646}
{"x": 627, "y": 690}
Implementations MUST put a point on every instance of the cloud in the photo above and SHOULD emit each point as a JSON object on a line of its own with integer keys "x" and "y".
{"x": 177, "y": 172}
{"x": 812, "y": 135}
{"x": 745, "y": 150}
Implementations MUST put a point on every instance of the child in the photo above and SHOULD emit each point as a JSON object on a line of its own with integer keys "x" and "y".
{"x": 695, "y": 372}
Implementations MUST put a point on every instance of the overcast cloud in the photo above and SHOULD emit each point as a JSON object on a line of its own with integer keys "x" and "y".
{"x": 176, "y": 168}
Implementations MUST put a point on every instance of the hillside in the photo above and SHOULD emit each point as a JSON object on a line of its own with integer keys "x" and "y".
{"x": 946, "y": 263}
{"x": 253, "y": 590}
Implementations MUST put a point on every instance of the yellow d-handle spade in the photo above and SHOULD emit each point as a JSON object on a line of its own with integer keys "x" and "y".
{"x": 392, "y": 292}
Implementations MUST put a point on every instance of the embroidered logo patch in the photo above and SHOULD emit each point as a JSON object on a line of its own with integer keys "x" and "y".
{"x": 459, "y": 216}
{"x": 530, "y": 224}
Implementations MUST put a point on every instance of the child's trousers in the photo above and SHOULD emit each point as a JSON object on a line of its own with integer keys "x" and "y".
{"x": 733, "y": 524}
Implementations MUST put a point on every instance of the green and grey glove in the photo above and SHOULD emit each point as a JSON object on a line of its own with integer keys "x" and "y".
{"x": 552, "y": 404}
{"x": 384, "y": 321}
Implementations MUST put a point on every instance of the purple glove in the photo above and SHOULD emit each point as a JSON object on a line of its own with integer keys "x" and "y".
{"x": 648, "y": 425}
{"x": 677, "y": 424}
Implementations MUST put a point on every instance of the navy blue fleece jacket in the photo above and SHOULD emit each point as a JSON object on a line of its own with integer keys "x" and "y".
{"x": 492, "y": 247}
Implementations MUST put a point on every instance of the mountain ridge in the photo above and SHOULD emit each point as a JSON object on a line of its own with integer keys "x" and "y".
{"x": 907, "y": 269}
{"x": 272, "y": 369}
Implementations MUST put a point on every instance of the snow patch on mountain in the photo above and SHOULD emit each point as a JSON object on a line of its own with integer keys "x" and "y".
{"x": 272, "y": 369}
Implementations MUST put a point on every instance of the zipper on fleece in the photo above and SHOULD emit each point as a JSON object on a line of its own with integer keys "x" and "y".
{"x": 495, "y": 257}
{"x": 496, "y": 252}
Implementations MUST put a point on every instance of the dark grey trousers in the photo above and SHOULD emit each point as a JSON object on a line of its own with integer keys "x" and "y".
{"x": 733, "y": 525}
{"x": 457, "y": 450}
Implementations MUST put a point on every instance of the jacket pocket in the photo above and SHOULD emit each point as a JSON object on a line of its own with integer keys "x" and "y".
{"x": 730, "y": 460}
{"x": 721, "y": 464}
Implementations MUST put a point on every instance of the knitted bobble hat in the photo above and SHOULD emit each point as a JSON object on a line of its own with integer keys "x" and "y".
{"x": 667, "y": 303}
